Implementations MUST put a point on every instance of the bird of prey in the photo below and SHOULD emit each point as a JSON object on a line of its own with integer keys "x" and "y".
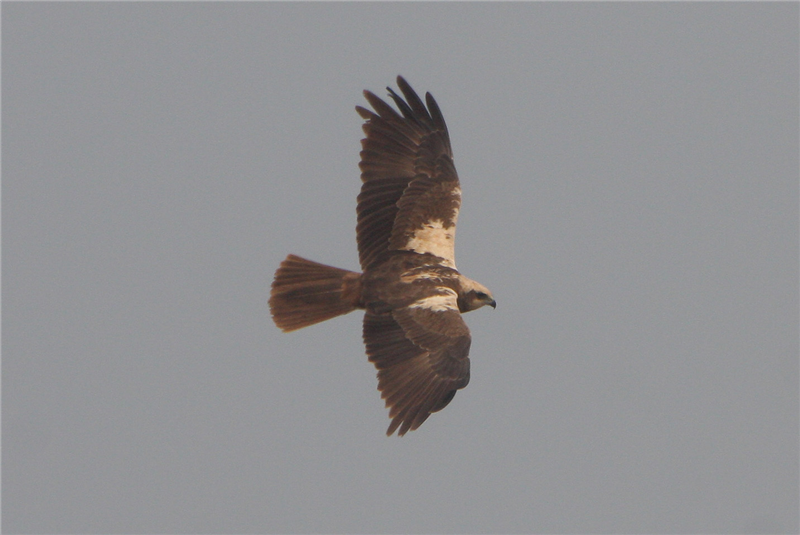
{"x": 409, "y": 287}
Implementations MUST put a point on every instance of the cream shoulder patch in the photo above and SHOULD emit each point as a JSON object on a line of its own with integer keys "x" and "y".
{"x": 448, "y": 300}
{"x": 436, "y": 239}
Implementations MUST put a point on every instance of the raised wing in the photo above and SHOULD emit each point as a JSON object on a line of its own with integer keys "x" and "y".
{"x": 421, "y": 353}
{"x": 410, "y": 195}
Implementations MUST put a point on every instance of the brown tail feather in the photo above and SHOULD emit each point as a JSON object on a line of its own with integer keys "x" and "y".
{"x": 305, "y": 293}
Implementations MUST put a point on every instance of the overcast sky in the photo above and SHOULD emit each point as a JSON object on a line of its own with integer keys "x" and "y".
{"x": 630, "y": 196}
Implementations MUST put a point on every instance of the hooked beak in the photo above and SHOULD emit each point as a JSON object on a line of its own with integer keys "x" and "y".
{"x": 492, "y": 303}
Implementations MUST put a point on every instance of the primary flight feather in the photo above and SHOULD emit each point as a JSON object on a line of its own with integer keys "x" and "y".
{"x": 409, "y": 287}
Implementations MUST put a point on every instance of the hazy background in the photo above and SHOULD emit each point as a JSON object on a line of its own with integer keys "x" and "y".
{"x": 630, "y": 177}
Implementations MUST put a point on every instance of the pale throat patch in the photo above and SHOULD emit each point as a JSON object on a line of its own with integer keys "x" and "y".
{"x": 438, "y": 303}
{"x": 435, "y": 239}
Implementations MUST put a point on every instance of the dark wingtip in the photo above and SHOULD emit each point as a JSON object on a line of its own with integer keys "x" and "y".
{"x": 393, "y": 427}
{"x": 402, "y": 82}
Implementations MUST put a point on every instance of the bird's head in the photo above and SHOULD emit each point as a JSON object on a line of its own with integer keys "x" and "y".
{"x": 474, "y": 295}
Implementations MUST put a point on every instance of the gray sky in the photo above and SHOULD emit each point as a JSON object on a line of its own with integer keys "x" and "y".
{"x": 630, "y": 178}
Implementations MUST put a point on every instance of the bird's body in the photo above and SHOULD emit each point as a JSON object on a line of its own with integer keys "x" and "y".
{"x": 410, "y": 289}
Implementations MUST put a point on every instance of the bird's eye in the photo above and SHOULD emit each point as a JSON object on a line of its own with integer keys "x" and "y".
{"x": 480, "y": 295}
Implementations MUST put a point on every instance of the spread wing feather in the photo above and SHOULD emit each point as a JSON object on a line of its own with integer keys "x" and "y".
{"x": 421, "y": 353}
{"x": 410, "y": 195}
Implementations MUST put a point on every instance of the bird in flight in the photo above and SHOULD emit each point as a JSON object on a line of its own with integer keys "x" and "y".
{"x": 409, "y": 287}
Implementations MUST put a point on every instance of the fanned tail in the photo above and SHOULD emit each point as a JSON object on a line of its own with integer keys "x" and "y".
{"x": 306, "y": 292}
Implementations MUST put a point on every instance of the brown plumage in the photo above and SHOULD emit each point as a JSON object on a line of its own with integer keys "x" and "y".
{"x": 410, "y": 288}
